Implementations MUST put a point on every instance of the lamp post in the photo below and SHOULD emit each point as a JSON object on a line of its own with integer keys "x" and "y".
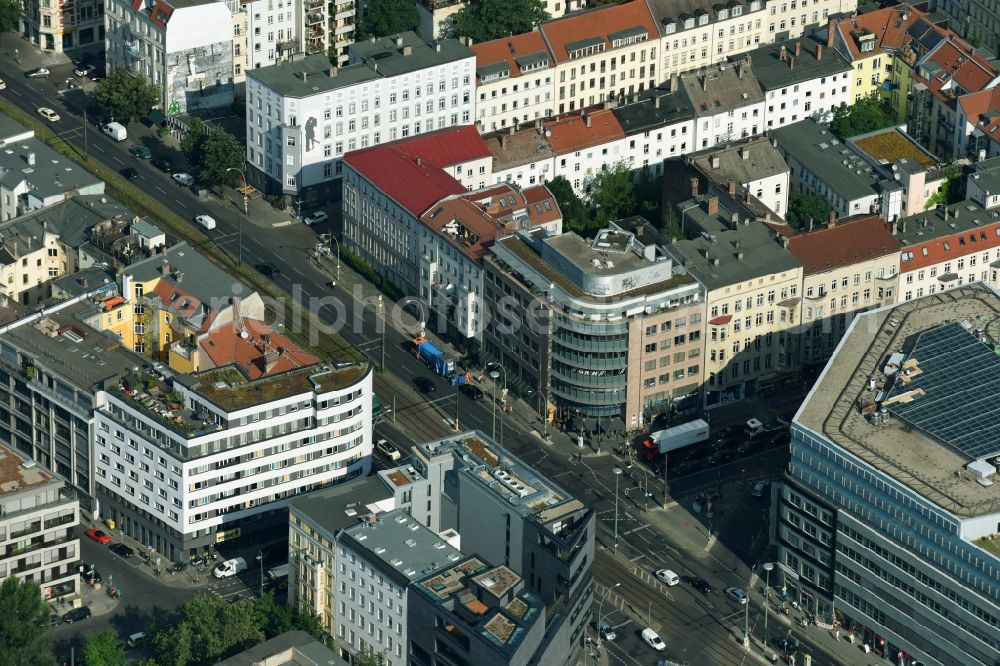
{"x": 768, "y": 567}
{"x": 746, "y": 613}
{"x": 332, "y": 239}
{"x": 495, "y": 375}
{"x": 246, "y": 212}
{"x": 600, "y": 610}
{"x": 260, "y": 558}
{"x": 618, "y": 476}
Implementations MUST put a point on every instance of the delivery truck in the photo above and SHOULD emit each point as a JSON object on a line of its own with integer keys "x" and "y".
{"x": 433, "y": 356}
{"x": 671, "y": 439}
{"x": 116, "y": 131}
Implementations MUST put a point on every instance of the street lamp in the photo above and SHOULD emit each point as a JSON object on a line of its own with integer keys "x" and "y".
{"x": 495, "y": 375}
{"x": 330, "y": 238}
{"x": 768, "y": 567}
{"x": 260, "y": 558}
{"x": 746, "y": 613}
{"x": 600, "y": 610}
{"x": 618, "y": 476}
{"x": 246, "y": 212}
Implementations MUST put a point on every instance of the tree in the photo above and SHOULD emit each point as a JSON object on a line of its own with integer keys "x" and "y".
{"x": 368, "y": 657}
{"x": 10, "y": 15}
{"x": 865, "y": 115}
{"x": 483, "y": 20}
{"x": 612, "y": 193}
{"x": 801, "y": 207}
{"x": 219, "y": 152}
{"x": 104, "y": 648}
{"x": 271, "y": 617}
{"x": 207, "y": 627}
{"x": 390, "y": 17}
{"x": 126, "y": 95}
{"x": 24, "y": 622}
{"x": 193, "y": 139}
{"x": 950, "y": 190}
{"x": 574, "y": 211}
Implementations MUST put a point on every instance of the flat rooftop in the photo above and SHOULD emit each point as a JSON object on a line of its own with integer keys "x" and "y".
{"x": 772, "y": 64}
{"x": 14, "y": 476}
{"x": 844, "y": 171}
{"x": 343, "y": 505}
{"x": 914, "y": 457}
{"x": 888, "y": 145}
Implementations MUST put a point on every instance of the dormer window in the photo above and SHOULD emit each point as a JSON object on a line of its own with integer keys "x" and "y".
{"x": 723, "y": 14}
{"x": 688, "y": 23}
{"x": 737, "y": 11}
{"x": 755, "y": 5}
{"x": 670, "y": 28}
{"x": 703, "y": 19}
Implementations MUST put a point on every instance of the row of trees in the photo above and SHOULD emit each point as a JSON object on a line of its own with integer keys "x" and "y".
{"x": 480, "y": 20}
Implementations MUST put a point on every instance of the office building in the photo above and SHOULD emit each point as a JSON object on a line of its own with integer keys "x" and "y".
{"x": 888, "y": 516}
{"x": 38, "y": 515}
{"x": 304, "y": 115}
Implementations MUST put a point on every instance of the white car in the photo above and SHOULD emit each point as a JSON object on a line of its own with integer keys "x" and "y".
{"x": 736, "y": 594}
{"x": 388, "y": 449}
{"x": 48, "y": 114}
{"x": 207, "y": 221}
{"x": 185, "y": 179}
{"x": 84, "y": 70}
{"x": 668, "y": 577}
{"x": 653, "y": 639}
{"x": 3, "y": 86}
{"x": 316, "y": 218}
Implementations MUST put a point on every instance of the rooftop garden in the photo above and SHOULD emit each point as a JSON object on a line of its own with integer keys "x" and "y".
{"x": 891, "y": 146}
{"x": 229, "y": 389}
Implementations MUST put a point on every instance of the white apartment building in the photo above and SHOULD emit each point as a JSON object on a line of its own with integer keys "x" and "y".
{"x": 304, "y": 115}
{"x": 271, "y": 31}
{"x": 184, "y": 48}
{"x": 727, "y": 102}
{"x": 37, "y": 518}
{"x": 377, "y": 560}
{"x": 584, "y": 144}
{"x": 514, "y": 80}
{"x": 752, "y": 167}
{"x": 58, "y": 27}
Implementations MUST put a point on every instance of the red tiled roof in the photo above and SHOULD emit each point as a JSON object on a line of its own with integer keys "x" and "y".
{"x": 598, "y": 23}
{"x": 721, "y": 320}
{"x": 160, "y": 14}
{"x": 982, "y": 109}
{"x": 966, "y": 69}
{"x": 570, "y": 133}
{"x": 852, "y": 240}
{"x": 506, "y": 49}
{"x": 411, "y": 171}
{"x": 959, "y": 244}
{"x": 226, "y": 346}
{"x": 886, "y": 24}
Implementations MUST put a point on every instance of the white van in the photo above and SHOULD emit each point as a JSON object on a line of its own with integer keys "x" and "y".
{"x": 135, "y": 639}
{"x": 668, "y": 577}
{"x": 230, "y": 568}
{"x": 116, "y": 131}
{"x": 206, "y": 221}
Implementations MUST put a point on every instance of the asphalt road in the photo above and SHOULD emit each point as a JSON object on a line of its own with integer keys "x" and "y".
{"x": 699, "y": 629}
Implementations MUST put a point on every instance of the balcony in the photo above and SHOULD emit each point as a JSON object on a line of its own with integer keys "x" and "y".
{"x": 315, "y": 19}
{"x": 62, "y": 520}
{"x": 36, "y": 544}
{"x": 30, "y": 529}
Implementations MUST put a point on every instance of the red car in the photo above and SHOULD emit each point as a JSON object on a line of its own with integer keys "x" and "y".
{"x": 98, "y": 536}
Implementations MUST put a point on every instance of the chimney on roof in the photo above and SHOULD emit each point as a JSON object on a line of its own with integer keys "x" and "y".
{"x": 512, "y": 129}
{"x": 712, "y": 205}
{"x": 732, "y": 186}
{"x": 785, "y": 242}
{"x": 831, "y": 220}
{"x": 586, "y": 119}
{"x": 372, "y": 39}
{"x": 831, "y": 27}
{"x": 744, "y": 153}
{"x": 305, "y": 77}
{"x": 739, "y": 255}
{"x": 713, "y": 161}
{"x": 704, "y": 82}
{"x": 673, "y": 82}
{"x": 798, "y": 49}
{"x": 819, "y": 53}
{"x": 902, "y": 227}
{"x": 407, "y": 50}
{"x": 437, "y": 46}
{"x": 419, "y": 160}
{"x": 503, "y": 142}
{"x": 84, "y": 282}
{"x": 739, "y": 71}
{"x": 791, "y": 63}
{"x": 694, "y": 186}
{"x": 688, "y": 262}
{"x": 734, "y": 219}
{"x": 332, "y": 72}
{"x": 165, "y": 268}
{"x": 399, "y": 40}
{"x": 809, "y": 225}
{"x": 656, "y": 102}
{"x": 638, "y": 230}
{"x": 946, "y": 215}
{"x": 715, "y": 261}
{"x": 783, "y": 54}
{"x": 539, "y": 127}
{"x": 893, "y": 227}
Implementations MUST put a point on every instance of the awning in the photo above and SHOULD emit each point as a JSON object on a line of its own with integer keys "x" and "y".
{"x": 156, "y": 117}
{"x": 948, "y": 277}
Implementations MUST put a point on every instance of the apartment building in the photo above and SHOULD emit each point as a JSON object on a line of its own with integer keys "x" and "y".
{"x": 658, "y": 125}
{"x": 800, "y": 79}
{"x": 948, "y": 247}
{"x": 886, "y": 521}
{"x": 378, "y": 560}
{"x": 603, "y": 53}
{"x": 48, "y": 243}
{"x": 210, "y": 442}
{"x": 304, "y": 115}
{"x": 978, "y": 21}
{"x": 178, "y": 46}
{"x": 480, "y": 489}
{"x": 607, "y": 328}
{"x": 978, "y": 124}
{"x": 751, "y": 285}
{"x": 584, "y": 144}
{"x": 59, "y": 27}
{"x": 327, "y": 26}
{"x": 727, "y": 101}
{"x": 314, "y": 520}
{"x": 848, "y": 267}
{"x": 38, "y": 515}
{"x": 514, "y": 80}
{"x": 752, "y": 166}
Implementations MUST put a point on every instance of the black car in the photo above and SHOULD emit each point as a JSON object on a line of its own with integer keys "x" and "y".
{"x": 55, "y": 620}
{"x": 472, "y": 392}
{"x": 121, "y": 550}
{"x": 270, "y": 270}
{"x": 424, "y": 385}
{"x": 76, "y": 615}
{"x": 788, "y": 646}
{"x": 129, "y": 173}
{"x": 162, "y": 163}
{"x": 701, "y": 585}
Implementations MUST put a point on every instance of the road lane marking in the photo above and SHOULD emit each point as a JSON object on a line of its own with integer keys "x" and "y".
{"x": 282, "y": 224}
{"x": 160, "y": 189}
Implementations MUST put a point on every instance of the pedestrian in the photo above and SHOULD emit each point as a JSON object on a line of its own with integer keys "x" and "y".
{"x": 850, "y": 638}
{"x": 836, "y": 634}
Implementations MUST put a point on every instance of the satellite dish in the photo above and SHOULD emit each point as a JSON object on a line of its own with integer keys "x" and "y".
{"x": 244, "y": 335}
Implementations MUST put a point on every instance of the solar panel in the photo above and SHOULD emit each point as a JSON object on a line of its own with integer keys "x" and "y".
{"x": 960, "y": 380}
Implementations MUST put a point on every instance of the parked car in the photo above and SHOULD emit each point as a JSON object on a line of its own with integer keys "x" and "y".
{"x": 668, "y": 577}
{"x": 37, "y": 73}
{"x": 472, "y": 391}
{"x": 230, "y": 568}
{"x": 76, "y": 615}
{"x": 759, "y": 488}
{"x": 48, "y": 114}
{"x": 162, "y": 163}
{"x": 424, "y": 385}
{"x": 121, "y": 550}
{"x": 129, "y": 173}
{"x": 185, "y": 179}
{"x": 652, "y": 639}
{"x": 84, "y": 70}
{"x": 140, "y": 152}
{"x": 3, "y": 86}
{"x": 98, "y": 536}
{"x": 206, "y": 221}
{"x": 606, "y": 630}
{"x": 736, "y": 594}
{"x": 316, "y": 218}
{"x": 388, "y": 449}
{"x": 269, "y": 270}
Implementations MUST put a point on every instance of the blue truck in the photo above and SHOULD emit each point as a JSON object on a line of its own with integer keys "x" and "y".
{"x": 433, "y": 356}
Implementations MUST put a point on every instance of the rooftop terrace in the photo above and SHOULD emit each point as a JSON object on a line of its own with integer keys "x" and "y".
{"x": 17, "y": 473}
